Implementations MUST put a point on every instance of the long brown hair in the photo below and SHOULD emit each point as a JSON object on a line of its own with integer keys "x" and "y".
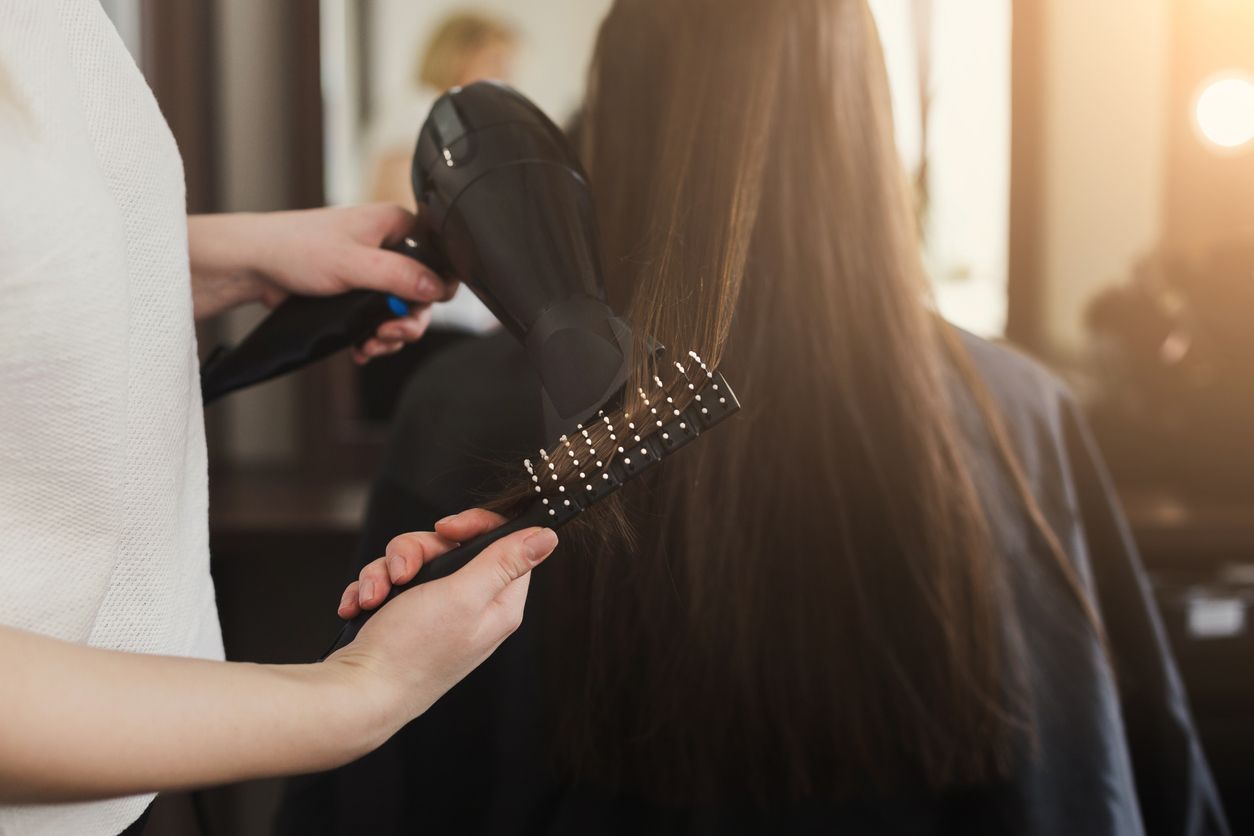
{"x": 813, "y": 603}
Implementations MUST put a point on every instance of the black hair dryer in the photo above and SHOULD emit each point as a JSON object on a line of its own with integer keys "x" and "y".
{"x": 511, "y": 216}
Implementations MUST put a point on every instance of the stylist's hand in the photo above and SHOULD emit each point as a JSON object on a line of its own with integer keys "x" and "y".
{"x": 321, "y": 252}
{"x": 238, "y": 258}
{"x": 428, "y": 638}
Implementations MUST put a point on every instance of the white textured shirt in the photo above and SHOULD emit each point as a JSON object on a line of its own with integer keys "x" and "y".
{"x": 103, "y": 482}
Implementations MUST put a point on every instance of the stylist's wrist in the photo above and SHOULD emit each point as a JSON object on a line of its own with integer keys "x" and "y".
{"x": 225, "y": 253}
{"x": 371, "y": 705}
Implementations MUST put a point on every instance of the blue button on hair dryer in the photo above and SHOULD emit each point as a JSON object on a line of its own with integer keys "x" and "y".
{"x": 511, "y": 216}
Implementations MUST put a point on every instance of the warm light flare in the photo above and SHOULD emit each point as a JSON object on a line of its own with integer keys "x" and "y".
{"x": 1225, "y": 111}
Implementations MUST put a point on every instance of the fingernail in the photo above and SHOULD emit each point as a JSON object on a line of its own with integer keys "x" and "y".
{"x": 344, "y": 599}
{"x": 395, "y": 566}
{"x": 541, "y": 544}
{"x": 367, "y": 591}
{"x": 447, "y": 519}
{"x": 429, "y": 289}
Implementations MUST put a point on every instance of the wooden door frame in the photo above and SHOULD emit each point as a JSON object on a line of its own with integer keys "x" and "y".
{"x": 178, "y": 54}
{"x": 1025, "y": 275}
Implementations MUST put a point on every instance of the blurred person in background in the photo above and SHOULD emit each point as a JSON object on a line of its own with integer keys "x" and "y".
{"x": 895, "y": 594}
{"x": 465, "y": 47}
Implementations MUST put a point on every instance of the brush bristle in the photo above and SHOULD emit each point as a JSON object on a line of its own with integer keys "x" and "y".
{"x": 596, "y": 459}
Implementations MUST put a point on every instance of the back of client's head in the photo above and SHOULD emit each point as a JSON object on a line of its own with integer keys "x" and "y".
{"x": 811, "y": 606}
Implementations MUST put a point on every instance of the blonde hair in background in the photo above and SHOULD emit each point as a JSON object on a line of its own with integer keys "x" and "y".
{"x": 456, "y": 39}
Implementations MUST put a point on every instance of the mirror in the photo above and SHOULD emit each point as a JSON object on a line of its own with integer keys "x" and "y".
{"x": 385, "y": 61}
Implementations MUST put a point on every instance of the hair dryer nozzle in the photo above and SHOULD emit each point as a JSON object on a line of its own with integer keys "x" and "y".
{"x": 512, "y": 213}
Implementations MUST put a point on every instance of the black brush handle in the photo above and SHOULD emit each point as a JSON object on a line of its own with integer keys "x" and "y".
{"x": 715, "y": 404}
{"x": 306, "y": 329}
{"x": 448, "y": 563}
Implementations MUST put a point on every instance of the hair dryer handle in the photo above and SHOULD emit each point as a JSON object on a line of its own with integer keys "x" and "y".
{"x": 305, "y": 329}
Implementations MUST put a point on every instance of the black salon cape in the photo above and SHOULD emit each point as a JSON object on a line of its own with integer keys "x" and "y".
{"x": 1111, "y": 761}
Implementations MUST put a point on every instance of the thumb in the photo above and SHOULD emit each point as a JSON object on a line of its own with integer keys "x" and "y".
{"x": 389, "y": 272}
{"x": 507, "y": 560}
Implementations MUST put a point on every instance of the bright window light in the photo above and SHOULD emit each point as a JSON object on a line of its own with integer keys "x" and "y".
{"x": 1225, "y": 110}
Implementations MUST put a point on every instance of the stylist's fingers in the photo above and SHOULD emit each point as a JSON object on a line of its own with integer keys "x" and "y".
{"x": 396, "y": 224}
{"x": 373, "y": 584}
{"x": 383, "y": 270}
{"x": 349, "y": 606}
{"x": 468, "y": 524}
{"x": 391, "y": 223}
{"x": 407, "y": 553}
{"x": 406, "y": 329}
{"x": 503, "y": 562}
{"x": 394, "y": 335}
{"x": 375, "y": 347}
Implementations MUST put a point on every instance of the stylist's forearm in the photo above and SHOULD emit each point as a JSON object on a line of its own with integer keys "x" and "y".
{"x": 224, "y": 256}
{"x": 97, "y": 723}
